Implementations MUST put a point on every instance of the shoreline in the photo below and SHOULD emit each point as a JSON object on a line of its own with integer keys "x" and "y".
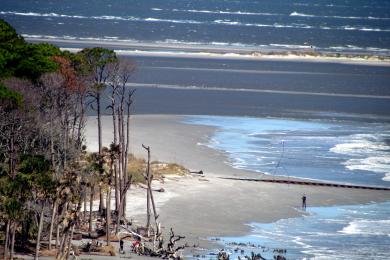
{"x": 200, "y": 204}
{"x": 147, "y": 49}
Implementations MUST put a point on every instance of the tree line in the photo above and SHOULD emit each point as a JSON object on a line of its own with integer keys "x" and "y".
{"x": 47, "y": 177}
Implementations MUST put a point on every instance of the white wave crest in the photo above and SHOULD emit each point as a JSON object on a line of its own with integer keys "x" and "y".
{"x": 379, "y": 164}
{"x": 42, "y": 14}
{"x": 361, "y": 144}
{"x": 368, "y": 227}
{"x": 369, "y": 151}
{"x": 225, "y": 12}
{"x": 339, "y": 17}
{"x": 301, "y": 14}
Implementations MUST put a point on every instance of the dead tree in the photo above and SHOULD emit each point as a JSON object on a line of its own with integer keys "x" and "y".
{"x": 120, "y": 211}
{"x": 150, "y": 199}
{"x": 147, "y": 178}
{"x": 121, "y": 98}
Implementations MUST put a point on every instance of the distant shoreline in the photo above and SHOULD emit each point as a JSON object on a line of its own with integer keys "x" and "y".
{"x": 148, "y": 49}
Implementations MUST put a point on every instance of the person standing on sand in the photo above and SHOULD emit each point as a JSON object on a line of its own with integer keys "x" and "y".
{"x": 304, "y": 201}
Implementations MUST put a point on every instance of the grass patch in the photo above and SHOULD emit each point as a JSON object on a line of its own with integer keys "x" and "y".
{"x": 137, "y": 168}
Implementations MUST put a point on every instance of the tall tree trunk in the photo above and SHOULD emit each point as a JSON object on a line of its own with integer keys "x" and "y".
{"x": 126, "y": 157}
{"x": 81, "y": 121}
{"x": 66, "y": 139}
{"x": 85, "y": 202}
{"x": 98, "y": 97}
{"x": 58, "y": 231}
{"x": 62, "y": 245}
{"x": 38, "y": 241}
{"x": 108, "y": 214}
{"x": 154, "y": 208}
{"x": 13, "y": 241}
{"x": 53, "y": 215}
{"x": 91, "y": 208}
{"x": 120, "y": 212}
{"x": 120, "y": 161}
{"x": 70, "y": 242}
{"x": 113, "y": 107}
{"x": 7, "y": 234}
{"x": 147, "y": 191}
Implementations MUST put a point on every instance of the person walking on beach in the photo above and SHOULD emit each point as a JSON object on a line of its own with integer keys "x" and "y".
{"x": 304, "y": 202}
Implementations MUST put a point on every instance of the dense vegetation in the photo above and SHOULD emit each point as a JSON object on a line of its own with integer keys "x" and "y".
{"x": 45, "y": 173}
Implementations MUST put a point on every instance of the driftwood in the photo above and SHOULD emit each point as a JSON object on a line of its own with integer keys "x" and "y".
{"x": 198, "y": 172}
{"x": 222, "y": 255}
{"x": 171, "y": 251}
{"x": 158, "y": 250}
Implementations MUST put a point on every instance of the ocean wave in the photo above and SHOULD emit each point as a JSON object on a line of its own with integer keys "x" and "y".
{"x": 379, "y": 164}
{"x": 368, "y": 227}
{"x": 170, "y": 21}
{"x": 362, "y": 144}
{"x": 225, "y": 12}
{"x": 357, "y": 48}
{"x": 103, "y": 17}
{"x": 215, "y": 22}
{"x": 339, "y": 17}
{"x": 42, "y": 14}
{"x": 369, "y": 152}
{"x": 300, "y": 14}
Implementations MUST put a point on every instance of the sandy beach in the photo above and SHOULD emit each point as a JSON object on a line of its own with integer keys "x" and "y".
{"x": 146, "y": 49}
{"x": 204, "y": 207}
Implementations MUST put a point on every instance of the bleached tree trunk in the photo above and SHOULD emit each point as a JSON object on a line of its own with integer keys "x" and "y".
{"x": 154, "y": 207}
{"x": 108, "y": 214}
{"x": 120, "y": 161}
{"x": 114, "y": 122}
{"x": 13, "y": 241}
{"x": 147, "y": 177}
{"x": 85, "y": 203}
{"x": 58, "y": 231}
{"x": 90, "y": 208}
{"x": 126, "y": 157}
{"x": 126, "y": 187}
{"x": 38, "y": 241}
{"x": 53, "y": 214}
{"x": 7, "y": 234}
{"x": 99, "y": 119}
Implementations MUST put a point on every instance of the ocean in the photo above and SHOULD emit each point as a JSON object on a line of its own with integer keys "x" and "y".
{"x": 341, "y": 151}
{"x": 361, "y": 26}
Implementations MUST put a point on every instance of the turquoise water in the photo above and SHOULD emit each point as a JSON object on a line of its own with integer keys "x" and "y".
{"x": 345, "y": 152}
{"x": 337, "y": 151}
{"x": 343, "y": 232}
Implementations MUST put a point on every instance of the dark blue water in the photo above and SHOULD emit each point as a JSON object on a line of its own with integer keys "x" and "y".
{"x": 342, "y": 25}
